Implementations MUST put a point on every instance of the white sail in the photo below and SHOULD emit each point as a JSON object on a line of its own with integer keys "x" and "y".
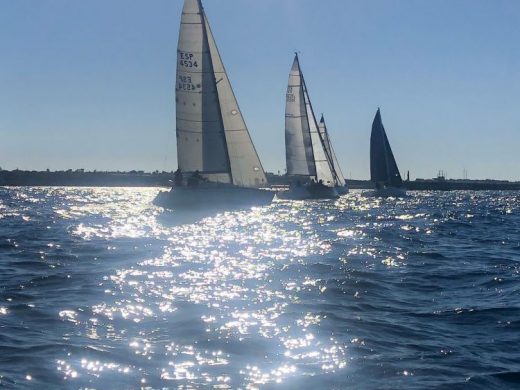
{"x": 330, "y": 150}
{"x": 323, "y": 163}
{"x": 298, "y": 145}
{"x": 201, "y": 142}
{"x": 246, "y": 169}
{"x": 212, "y": 137}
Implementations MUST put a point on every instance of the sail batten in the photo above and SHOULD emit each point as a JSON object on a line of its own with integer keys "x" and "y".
{"x": 383, "y": 167}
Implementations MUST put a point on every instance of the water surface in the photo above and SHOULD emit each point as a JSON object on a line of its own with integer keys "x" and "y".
{"x": 99, "y": 289}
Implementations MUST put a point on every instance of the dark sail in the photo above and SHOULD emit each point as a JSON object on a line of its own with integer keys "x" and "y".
{"x": 383, "y": 168}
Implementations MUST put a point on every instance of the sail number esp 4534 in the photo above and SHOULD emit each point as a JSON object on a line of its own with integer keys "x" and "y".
{"x": 187, "y": 60}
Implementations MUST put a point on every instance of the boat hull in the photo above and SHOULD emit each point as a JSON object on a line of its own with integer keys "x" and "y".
{"x": 387, "y": 192}
{"x": 309, "y": 192}
{"x": 213, "y": 198}
{"x": 342, "y": 190}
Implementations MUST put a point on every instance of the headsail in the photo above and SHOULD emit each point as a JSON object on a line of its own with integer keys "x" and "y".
{"x": 212, "y": 136}
{"x": 324, "y": 168}
{"x": 383, "y": 167}
{"x": 245, "y": 165}
{"x": 330, "y": 150}
{"x": 304, "y": 146}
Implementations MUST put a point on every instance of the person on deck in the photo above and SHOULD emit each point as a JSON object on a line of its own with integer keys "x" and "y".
{"x": 177, "y": 178}
{"x": 195, "y": 179}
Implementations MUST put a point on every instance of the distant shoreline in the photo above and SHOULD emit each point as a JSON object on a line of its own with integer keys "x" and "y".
{"x": 81, "y": 178}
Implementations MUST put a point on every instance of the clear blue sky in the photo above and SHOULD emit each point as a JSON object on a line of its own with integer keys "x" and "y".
{"x": 90, "y": 84}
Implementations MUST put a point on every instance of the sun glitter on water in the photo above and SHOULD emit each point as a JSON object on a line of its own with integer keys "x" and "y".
{"x": 210, "y": 293}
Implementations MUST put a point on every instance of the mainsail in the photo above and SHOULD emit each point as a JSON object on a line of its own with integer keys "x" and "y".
{"x": 304, "y": 145}
{"x": 330, "y": 150}
{"x": 212, "y": 137}
{"x": 383, "y": 167}
{"x": 298, "y": 145}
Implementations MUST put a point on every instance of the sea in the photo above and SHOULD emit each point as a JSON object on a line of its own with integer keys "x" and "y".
{"x": 99, "y": 289}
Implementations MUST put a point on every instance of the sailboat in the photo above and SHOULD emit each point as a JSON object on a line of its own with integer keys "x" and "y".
{"x": 383, "y": 167}
{"x": 218, "y": 163}
{"x": 308, "y": 163}
{"x": 341, "y": 187}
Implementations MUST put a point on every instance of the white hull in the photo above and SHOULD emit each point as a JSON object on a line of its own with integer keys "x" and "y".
{"x": 387, "y": 192}
{"x": 213, "y": 197}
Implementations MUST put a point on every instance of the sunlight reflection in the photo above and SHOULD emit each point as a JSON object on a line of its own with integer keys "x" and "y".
{"x": 213, "y": 282}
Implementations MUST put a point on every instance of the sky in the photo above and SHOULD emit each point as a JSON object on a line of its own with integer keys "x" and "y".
{"x": 90, "y": 84}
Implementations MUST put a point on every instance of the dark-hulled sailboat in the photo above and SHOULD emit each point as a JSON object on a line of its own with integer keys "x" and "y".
{"x": 218, "y": 163}
{"x": 383, "y": 167}
{"x": 308, "y": 163}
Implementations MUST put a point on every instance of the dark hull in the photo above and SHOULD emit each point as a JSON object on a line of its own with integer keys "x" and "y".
{"x": 387, "y": 192}
{"x": 309, "y": 192}
{"x": 342, "y": 190}
{"x": 213, "y": 198}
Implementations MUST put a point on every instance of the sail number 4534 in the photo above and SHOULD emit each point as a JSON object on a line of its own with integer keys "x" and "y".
{"x": 187, "y": 60}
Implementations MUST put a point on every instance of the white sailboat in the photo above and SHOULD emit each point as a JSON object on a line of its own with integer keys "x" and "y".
{"x": 384, "y": 172}
{"x": 341, "y": 187}
{"x": 218, "y": 163}
{"x": 308, "y": 162}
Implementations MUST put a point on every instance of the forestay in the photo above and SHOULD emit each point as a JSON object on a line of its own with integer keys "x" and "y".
{"x": 212, "y": 137}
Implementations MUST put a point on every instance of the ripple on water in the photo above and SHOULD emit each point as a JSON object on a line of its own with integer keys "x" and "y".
{"x": 104, "y": 289}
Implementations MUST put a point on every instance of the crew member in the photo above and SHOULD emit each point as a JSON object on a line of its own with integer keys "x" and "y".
{"x": 177, "y": 178}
